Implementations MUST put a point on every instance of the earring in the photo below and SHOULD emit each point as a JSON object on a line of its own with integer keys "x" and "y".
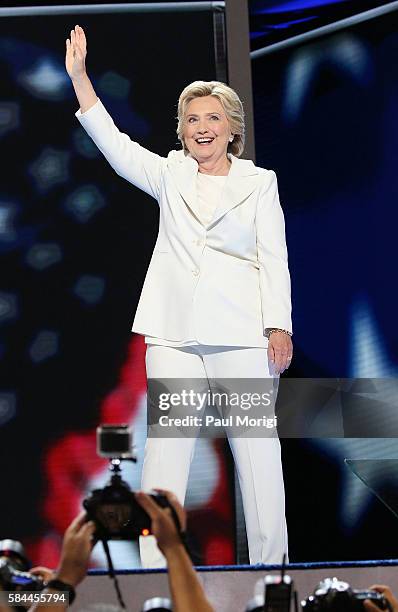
{"x": 231, "y": 138}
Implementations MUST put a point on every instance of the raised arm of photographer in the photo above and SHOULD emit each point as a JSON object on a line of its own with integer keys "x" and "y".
{"x": 76, "y": 549}
{"x": 75, "y": 63}
{"x": 185, "y": 588}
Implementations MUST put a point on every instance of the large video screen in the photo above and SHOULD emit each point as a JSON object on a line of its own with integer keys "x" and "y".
{"x": 75, "y": 242}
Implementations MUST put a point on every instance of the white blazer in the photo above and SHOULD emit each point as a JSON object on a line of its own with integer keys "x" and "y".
{"x": 232, "y": 275}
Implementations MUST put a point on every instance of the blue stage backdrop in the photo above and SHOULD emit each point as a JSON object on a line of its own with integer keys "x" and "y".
{"x": 325, "y": 117}
{"x": 273, "y": 21}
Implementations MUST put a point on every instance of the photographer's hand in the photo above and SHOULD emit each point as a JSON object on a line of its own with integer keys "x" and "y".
{"x": 386, "y": 591}
{"x": 163, "y": 526}
{"x": 44, "y": 573}
{"x": 76, "y": 550}
{"x": 186, "y": 591}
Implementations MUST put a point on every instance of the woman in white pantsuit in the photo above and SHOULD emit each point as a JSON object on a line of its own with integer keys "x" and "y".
{"x": 216, "y": 299}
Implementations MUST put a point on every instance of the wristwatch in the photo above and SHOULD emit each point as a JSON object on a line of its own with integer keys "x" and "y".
{"x": 269, "y": 330}
{"x": 58, "y": 585}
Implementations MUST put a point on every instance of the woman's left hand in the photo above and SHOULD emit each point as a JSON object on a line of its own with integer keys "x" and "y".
{"x": 280, "y": 351}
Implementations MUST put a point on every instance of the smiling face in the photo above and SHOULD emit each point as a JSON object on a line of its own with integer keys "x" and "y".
{"x": 206, "y": 129}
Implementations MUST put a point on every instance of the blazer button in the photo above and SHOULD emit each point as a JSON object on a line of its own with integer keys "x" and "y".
{"x": 195, "y": 272}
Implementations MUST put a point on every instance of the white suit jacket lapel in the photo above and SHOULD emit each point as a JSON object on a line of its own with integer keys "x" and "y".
{"x": 241, "y": 181}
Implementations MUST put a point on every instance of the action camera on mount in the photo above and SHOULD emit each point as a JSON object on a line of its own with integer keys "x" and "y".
{"x": 114, "y": 509}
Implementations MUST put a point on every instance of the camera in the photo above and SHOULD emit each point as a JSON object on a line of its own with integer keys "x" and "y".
{"x": 334, "y": 595}
{"x": 13, "y": 568}
{"x": 114, "y": 509}
{"x": 157, "y": 604}
{"x": 277, "y": 595}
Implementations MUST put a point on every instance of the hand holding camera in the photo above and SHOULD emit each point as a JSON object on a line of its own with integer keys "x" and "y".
{"x": 385, "y": 592}
{"x": 76, "y": 550}
{"x": 164, "y": 526}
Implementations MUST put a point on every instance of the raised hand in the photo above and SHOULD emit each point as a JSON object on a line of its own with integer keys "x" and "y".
{"x": 76, "y": 549}
{"x": 76, "y": 51}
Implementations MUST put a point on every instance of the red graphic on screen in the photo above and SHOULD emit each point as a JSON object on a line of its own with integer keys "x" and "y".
{"x": 72, "y": 463}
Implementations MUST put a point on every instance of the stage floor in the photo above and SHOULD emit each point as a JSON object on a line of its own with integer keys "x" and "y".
{"x": 229, "y": 588}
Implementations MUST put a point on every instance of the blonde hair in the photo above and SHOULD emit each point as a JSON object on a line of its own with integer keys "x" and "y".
{"x": 230, "y": 102}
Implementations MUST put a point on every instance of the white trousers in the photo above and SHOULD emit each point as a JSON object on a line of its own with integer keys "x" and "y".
{"x": 258, "y": 460}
